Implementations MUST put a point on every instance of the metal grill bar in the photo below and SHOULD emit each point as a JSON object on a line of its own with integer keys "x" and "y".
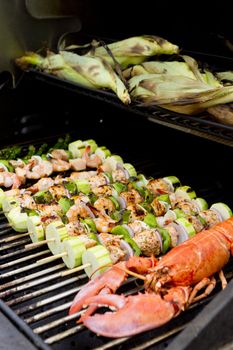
{"x": 47, "y": 301}
{"x": 25, "y": 258}
{"x": 112, "y": 343}
{"x": 56, "y": 323}
{"x": 22, "y": 269}
{"x": 13, "y": 238}
{"x": 28, "y": 285}
{"x": 3, "y": 232}
{"x": 48, "y": 313}
{"x": 31, "y": 276}
{"x": 41, "y": 291}
{"x": 158, "y": 339}
{"x": 6, "y": 224}
{"x": 63, "y": 335}
{"x": 15, "y": 253}
{"x": 14, "y": 244}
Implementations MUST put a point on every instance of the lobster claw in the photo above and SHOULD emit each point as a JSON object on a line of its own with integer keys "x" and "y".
{"x": 109, "y": 281}
{"x": 134, "y": 314}
{"x": 106, "y": 283}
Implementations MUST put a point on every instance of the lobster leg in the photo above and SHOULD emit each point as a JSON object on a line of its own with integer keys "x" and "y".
{"x": 222, "y": 279}
{"x": 209, "y": 283}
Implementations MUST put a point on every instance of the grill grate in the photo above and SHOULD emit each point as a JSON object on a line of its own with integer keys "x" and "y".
{"x": 41, "y": 296}
{"x": 37, "y": 297}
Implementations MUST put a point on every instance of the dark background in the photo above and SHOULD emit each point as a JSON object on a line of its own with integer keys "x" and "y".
{"x": 194, "y": 25}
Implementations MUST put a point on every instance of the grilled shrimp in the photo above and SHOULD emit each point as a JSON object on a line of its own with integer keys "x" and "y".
{"x": 83, "y": 175}
{"x": 113, "y": 245}
{"x": 211, "y": 217}
{"x": 120, "y": 176}
{"x": 97, "y": 181}
{"x": 43, "y": 184}
{"x": 104, "y": 223}
{"x": 8, "y": 179}
{"x": 59, "y": 154}
{"x": 58, "y": 191}
{"x": 188, "y": 207}
{"x": 60, "y": 165}
{"x": 78, "y": 164}
{"x": 92, "y": 160}
{"x": 158, "y": 187}
{"x": 137, "y": 213}
{"x": 76, "y": 228}
{"x": 104, "y": 190}
{"x": 104, "y": 205}
{"x": 158, "y": 207}
{"x": 131, "y": 197}
{"x": 37, "y": 168}
{"x": 79, "y": 209}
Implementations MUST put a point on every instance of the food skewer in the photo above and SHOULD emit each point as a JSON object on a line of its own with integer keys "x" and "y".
{"x": 72, "y": 250}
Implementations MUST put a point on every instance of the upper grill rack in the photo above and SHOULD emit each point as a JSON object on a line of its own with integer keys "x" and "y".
{"x": 200, "y": 125}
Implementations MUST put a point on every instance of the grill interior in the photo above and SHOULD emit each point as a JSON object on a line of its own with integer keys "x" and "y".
{"x": 202, "y": 125}
{"x": 40, "y": 295}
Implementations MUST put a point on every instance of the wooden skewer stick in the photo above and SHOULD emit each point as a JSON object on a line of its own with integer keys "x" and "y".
{"x": 39, "y": 243}
{"x": 51, "y": 258}
{"x": 75, "y": 269}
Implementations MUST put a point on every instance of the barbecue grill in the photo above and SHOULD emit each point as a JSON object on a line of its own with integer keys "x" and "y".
{"x": 37, "y": 108}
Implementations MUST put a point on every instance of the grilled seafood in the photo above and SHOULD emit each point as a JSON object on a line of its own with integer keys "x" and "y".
{"x": 171, "y": 284}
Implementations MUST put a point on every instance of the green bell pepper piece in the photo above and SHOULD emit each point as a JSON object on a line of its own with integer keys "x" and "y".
{"x": 122, "y": 231}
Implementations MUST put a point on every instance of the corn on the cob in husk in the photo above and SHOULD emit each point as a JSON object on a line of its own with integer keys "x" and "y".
{"x": 135, "y": 50}
{"x": 53, "y": 64}
{"x": 98, "y": 72}
{"x": 87, "y": 71}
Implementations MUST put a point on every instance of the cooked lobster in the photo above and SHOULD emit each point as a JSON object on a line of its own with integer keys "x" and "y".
{"x": 171, "y": 284}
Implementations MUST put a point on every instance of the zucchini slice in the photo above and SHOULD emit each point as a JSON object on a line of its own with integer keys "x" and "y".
{"x": 172, "y": 181}
{"x": 102, "y": 152}
{"x": 201, "y": 203}
{"x": 98, "y": 259}
{"x": 74, "y": 148}
{"x": 35, "y": 228}
{"x": 186, "y": 226}
{"x": 8, "y": 203}
{"x": 185, "y": 192}
{"x": 131, "y": 170}
{"x": 222, "y": 209}
{"x": 74, "y": 249}
{"x": 2, "y": 196}
{"x": 17, "y": 219}
{"x": 56, "y": 232}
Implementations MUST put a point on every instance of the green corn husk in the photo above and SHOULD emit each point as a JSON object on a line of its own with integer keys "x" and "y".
{"x": 98, "y": 72}
{"x": 157, "y": 67}
{"x": 135, "y": 50}
{"x": 187, "y": 69}
{"x": 206, "y": 77}
{"x": 87, "y": 71}
{"x": 228, "y": 76}
{"x": 178, "y": 93}
{"x": 53, "y": 64}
